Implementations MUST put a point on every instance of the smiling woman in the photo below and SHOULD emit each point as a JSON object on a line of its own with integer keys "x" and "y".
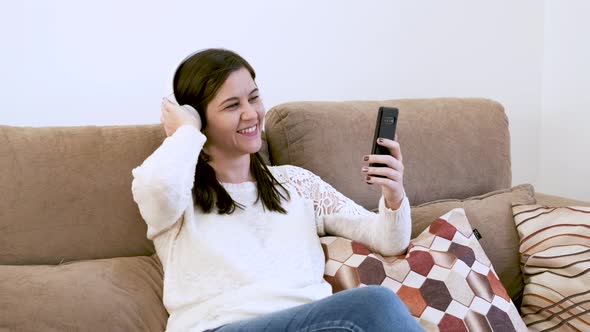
{"x": 243, "y": 251}
{"x": 220, "y": 85}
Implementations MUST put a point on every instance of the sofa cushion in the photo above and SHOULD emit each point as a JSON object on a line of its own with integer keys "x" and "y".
{"x": 118, "y": 294}
{"x": 555, "y": 257}
{"x": 66, "y": 193}
{"x": 491, "y": 215}
{"x": 452, "y": 147}
{"x": 446, "y": 279}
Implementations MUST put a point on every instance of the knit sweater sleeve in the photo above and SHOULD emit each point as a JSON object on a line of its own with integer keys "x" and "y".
{"x": 387, "y": 232}
{"x": 162, "y": 185}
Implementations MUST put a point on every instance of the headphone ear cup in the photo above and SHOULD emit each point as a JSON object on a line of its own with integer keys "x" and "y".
{"x": 191, "y": 110}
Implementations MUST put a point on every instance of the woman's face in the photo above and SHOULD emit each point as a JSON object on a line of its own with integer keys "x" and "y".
{"x": 234, "y": 117}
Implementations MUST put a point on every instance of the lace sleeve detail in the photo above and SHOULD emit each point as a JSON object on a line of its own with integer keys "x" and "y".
{"x": 326, "y": 199}
{"x": 386, "y": 232}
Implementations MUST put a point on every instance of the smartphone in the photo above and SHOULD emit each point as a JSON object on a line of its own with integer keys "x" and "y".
{"x": 385, "y": 128}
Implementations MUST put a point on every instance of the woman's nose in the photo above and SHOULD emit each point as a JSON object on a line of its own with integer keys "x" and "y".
{"x": 249, "y": 112}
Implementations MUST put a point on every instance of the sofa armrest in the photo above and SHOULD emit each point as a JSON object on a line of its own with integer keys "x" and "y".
{"x": 551, "y": 200}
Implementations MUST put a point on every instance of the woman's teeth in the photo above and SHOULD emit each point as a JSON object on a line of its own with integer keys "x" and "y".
{"x": 247, "y": 130}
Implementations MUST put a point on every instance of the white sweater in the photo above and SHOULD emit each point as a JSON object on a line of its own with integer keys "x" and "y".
{"x": 223, "y": 268}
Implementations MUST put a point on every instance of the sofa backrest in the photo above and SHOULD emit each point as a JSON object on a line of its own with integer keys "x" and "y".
{"x": 451, "y": 147}
{"x": 66, "y": 192}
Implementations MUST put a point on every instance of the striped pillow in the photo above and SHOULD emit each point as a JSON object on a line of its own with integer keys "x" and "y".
{"x": 555, "y": 260}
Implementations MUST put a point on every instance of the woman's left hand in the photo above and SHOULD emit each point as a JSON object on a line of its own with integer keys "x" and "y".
{"x": 390, "y": 177}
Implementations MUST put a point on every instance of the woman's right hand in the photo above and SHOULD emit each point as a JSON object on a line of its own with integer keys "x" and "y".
{"x": 173, "y": 116}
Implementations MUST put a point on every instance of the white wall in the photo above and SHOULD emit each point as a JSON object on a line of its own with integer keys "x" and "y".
{"x": 565, "y": 124}
{"x": 110, "y": 62}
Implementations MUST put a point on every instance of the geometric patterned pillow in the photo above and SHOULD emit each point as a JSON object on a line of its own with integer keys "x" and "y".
{"x": 445, "y": 279}
{"x": 555, "y": 260}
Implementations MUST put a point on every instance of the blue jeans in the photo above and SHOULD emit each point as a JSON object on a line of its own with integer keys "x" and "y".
{"x": 370, "y": 308}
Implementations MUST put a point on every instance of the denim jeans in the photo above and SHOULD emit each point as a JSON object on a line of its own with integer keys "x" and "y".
{"x": 371, "y": 308}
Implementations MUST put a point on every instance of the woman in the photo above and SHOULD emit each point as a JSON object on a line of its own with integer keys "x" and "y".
{"x": 239, "y": 240}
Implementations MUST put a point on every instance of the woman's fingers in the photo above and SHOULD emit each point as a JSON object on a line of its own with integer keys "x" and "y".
{"x": 390, "y": 175}
{"x": 173, "y": 116}
{"x": 165, "y": 116}
{"x": 384, "y": 172}
{"x": 393, "y": 147}
{"x": 167, "y": 106}
{"x": 387, "y": 182}
{"x": 390, "y": 161}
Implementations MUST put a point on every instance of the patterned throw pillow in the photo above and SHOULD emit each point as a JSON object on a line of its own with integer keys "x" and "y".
{"x": 446, "y": 280}
{"x": 555, "y": 260}
{"x": 491, "y": 215}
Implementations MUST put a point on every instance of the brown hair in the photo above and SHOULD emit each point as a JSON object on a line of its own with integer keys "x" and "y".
{"x": 196, "y": 82}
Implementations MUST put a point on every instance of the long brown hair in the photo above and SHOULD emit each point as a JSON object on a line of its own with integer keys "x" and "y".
{"x": 196, "y": 82}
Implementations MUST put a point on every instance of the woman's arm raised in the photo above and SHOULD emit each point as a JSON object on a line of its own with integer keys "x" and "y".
{"x": 162, "y": 184}
{"x": 387, "y": 232}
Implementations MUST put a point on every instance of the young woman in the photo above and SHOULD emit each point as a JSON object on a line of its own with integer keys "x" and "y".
{"x": 239, "y": 241}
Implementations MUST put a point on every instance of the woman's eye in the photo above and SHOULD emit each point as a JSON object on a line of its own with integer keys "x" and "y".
{"x": 232, "y": 106}
{"x": 254, "y": 98}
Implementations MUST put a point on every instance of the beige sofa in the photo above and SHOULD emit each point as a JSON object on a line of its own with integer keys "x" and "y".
{"x": 73, "y": 250}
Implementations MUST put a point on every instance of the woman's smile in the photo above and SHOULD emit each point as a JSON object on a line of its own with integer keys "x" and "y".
{"x": 250, "y": 131}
